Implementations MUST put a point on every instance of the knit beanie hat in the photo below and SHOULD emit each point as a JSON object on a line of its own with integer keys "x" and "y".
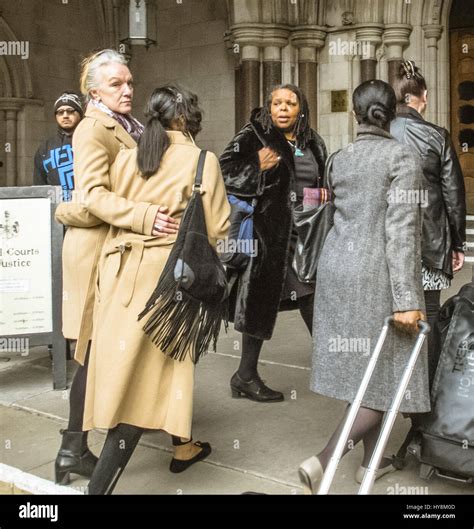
{"x": 71, "y": 99}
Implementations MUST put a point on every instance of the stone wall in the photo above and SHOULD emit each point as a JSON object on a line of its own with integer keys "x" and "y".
{"x": 191, "y": 51}
{"x": 58, "y": 35}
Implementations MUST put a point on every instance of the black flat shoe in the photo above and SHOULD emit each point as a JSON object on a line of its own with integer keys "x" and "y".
{"x": 180, "y": 465}
{"x": 254, "y": 389}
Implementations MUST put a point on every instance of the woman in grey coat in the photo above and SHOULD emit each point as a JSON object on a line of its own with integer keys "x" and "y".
{"x": 370, "y": 268}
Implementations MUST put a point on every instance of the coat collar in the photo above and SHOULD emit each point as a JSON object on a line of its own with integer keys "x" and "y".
{"x": 176, "y": 136}
{"x": 371, "y": 132}
{"x": 120, "y": 133}
{"x": 405, "y": 111}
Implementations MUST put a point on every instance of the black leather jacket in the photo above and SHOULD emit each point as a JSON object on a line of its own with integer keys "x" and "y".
{"x": 444, "y": 215}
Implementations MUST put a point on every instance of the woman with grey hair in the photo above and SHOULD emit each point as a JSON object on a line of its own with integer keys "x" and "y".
{"x": 134, "y": 384}
{"x": 107, "y": 128}
{"x": 370, "y": 268}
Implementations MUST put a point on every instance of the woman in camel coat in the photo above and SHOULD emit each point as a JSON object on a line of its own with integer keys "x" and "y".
{"x": 131, "y": 384}
{"x": 106, "y": 129}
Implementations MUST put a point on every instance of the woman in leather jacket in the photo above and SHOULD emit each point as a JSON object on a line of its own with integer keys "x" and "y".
{"x": 443, "y": 202}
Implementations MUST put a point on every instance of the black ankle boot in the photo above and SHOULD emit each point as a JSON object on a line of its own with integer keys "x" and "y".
{"x": 74, "y": 456}
{"x": 253, "y": 389}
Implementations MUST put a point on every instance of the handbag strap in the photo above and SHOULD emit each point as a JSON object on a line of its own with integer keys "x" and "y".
{"x": 200, "y": 168}
{"x": 327, "y": 172}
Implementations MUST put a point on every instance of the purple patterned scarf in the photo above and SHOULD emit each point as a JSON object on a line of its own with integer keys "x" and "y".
{"x": 128, "y": 122}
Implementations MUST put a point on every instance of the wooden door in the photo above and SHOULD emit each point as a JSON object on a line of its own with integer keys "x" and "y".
{"x": 462, "y": 105}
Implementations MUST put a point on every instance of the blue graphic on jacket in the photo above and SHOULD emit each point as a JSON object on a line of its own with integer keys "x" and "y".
{"x": 61, "y": 159}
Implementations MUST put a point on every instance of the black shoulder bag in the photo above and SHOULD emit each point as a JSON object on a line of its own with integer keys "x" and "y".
{"x": 312, "y": 227}
{"x": 191, "y": 299}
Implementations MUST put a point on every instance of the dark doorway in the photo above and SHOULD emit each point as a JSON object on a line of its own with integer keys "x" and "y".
{"x": 461, "y": 24}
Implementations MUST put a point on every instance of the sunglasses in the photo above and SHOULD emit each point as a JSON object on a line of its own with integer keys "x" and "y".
{"x": 68, "y": 112}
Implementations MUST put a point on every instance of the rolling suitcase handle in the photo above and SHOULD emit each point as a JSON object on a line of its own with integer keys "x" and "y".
{"x": 354, "y": 409}
{"x": 369, "y": 476}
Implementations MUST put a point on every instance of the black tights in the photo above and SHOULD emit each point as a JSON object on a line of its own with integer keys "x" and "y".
{"x": 366, "y": 428}
{"x": 251, "y": 346}
{"x": 77, "y": 396}
{"x": 119, "y": 446}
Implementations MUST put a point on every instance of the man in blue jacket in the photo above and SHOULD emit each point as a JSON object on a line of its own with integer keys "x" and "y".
{"x": 54, "y": 157}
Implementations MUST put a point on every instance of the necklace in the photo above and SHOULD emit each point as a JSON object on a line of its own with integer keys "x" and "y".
{"x": 297, "y": 151}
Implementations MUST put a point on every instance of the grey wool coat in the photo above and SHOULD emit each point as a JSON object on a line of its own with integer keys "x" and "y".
{"x": 370, "y": 267}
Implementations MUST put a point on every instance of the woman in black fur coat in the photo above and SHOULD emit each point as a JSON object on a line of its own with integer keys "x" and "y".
{"x": 279, "y": 153}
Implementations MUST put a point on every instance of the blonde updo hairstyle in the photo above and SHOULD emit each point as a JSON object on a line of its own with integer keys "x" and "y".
{"x": 91, "y": 66}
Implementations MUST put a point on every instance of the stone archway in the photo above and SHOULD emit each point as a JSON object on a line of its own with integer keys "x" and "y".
{"x": 16, "y": 91}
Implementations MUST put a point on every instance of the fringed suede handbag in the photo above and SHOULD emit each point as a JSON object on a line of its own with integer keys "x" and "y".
{"x": 191, "y": 299}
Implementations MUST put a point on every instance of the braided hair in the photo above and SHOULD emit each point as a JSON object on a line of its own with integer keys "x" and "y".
{"x": 302, "y": 129}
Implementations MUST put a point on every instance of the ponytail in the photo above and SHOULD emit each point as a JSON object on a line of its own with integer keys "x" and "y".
{"x": 166, "y": 105}
{"x": 408, "y": 81}
{"x": 151, "y": 146}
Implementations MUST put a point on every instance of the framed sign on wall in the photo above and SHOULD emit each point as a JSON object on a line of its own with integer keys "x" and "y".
{"x": 31, "y": 273}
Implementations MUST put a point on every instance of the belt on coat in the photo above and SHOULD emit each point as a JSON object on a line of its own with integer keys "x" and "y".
{"x": 129, "y": 275}
{"x": 127, "y": 281}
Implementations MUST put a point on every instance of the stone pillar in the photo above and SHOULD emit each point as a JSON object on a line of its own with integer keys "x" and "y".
{"x": 395, "y": 38}
{"x": 248, "y": 38}
{"x": 11, "y": 166}
{"x": 274, "y": 39}
{"x": 271, "y": 68}
{"x": 308, "y": 41}
{"x": 430, "y": 72}
{"x": 249, "y": 82}
{"x": 368, "y": 37}
{"x": 239, "y": 120}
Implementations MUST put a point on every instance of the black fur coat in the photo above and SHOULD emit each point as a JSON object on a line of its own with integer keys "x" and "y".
{"x": 256, "y": 296}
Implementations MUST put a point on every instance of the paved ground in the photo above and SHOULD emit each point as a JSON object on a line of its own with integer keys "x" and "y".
{"x": 256, "y": 446}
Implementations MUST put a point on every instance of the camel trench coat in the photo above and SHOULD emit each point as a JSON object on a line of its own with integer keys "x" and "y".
{"x": 96, "y": 142}
{"x": 129, "y": 379}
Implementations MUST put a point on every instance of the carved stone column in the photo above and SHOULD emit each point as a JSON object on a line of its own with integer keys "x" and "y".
{"x": 395, "y": 38}
{"x": 430, "y": 72}
{"x": 274, "y": 39}
{"x": 369, "y": 36}
{"x": 11, "y": 165}
{"x": 248, "y": 38}
{"x": 308, "y": 40}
